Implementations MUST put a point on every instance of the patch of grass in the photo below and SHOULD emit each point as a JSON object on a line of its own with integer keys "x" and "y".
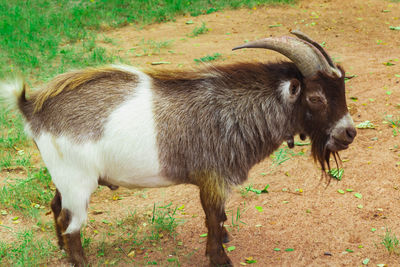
{"x": 28, "y": 196}
{"x": 151, "y": 47}
{"x": 5, "y": 160}
{"x": 11, "y": 130}
{"x": 163, "y": 221}
{"x": 208, "y": 58}
{"x": 283, "y": 154}
{"x": 391, "y": 242}
{"x": 394, "y": 123}
{"x": 28, "y": 250}
{"x": 34, "y": 34}
{"x": 236, "y": 218}
{"x": 199, "y": 30}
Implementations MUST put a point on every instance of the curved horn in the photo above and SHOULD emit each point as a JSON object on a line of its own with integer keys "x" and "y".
{"x": 306, "y": 38}
{"x": 307, "y": 58}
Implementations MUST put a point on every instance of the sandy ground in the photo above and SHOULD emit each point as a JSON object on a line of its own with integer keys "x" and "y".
{"x": 300, "y": 212}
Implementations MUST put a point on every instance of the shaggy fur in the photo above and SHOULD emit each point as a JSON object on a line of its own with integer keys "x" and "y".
{"x": 117, "y": 126}
{"x": 76, "y": 104}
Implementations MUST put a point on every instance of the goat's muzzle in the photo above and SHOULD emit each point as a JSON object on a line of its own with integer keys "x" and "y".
{"x": 342, "y": 134}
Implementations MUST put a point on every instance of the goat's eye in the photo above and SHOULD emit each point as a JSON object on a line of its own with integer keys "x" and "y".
{"x": 315, "y": 99}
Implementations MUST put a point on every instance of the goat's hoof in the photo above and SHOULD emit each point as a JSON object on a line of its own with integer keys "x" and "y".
{"x": 81, "y": 262}
{"x": 113, "y": 187}
{"x": 222, "y": 263}
{"x": 226, "y": 238}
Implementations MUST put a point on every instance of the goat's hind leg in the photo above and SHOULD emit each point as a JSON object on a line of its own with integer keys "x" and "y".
{"x": 56, "y": 208}
{"x": 72, "y": 241}
{"x": 73, "y": 193}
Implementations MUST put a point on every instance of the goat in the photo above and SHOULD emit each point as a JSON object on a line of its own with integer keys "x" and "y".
{"x": 118, "y": 126}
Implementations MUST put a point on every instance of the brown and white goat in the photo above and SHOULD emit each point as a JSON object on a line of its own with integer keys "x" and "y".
{"x": 118, "y": 126}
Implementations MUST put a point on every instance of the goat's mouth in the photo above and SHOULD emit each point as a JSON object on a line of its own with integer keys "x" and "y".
{"x": 324, "y": 148}
{"x": 335, "y": 145}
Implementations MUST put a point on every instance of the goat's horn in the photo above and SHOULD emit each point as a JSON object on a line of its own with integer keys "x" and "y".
{"x": 306, "y": 57}
{"x": 306, "y": 38}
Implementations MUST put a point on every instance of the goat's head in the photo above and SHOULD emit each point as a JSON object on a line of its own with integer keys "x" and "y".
{"x": 320, "y": 96}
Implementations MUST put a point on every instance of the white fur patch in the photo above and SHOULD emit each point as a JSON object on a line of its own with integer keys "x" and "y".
{"x": 129, "y": 142}
{"x": 345, "y": 122}
{"x": 286, "y": 95}
{"x": 126, "y": 155}
{"x": 10, "y": 91}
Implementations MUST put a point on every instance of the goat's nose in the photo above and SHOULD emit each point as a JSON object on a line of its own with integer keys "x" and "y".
{"x": 350, "y": 134}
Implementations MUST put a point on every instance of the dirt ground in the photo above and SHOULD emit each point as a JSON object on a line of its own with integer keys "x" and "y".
{"x": 322, "y": 226}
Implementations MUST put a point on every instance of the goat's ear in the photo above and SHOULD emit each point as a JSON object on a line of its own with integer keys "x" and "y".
{"x": 291, "y": 90}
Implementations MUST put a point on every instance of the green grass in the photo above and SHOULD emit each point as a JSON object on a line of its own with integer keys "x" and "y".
{"x": 163, "y": 221}
{"x": 208, "y": 58}
{"x": 11, "y": 130}
{"x": 28, "y": 250}
{"x": 391, "y": 242}
{"x": 199, "y": 30}
{"x": 28, "y": 196}
{"x": 44, "y": 36}
{"x": 151, "y": 47}
{"x": 283, "y": 154}
{"x": 394, "y": 123}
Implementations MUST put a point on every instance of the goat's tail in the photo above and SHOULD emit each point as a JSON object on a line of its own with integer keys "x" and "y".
{"x": 12, "y": 93}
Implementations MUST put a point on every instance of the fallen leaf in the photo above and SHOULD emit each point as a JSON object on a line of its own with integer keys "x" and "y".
{"x": 393, "y": 28}
{"x": 203, "y": 235}
{"x": 366, "y": 125}
{"x": 336, "y": 173}
{"x": 274, "y": 26}
{"x": 132, "y": 254}
{"x": 259, "y": 208}
{"x": 389, "y": 64}
{"x": 160, "y": 62}
{"x": 289, "y": 249}
{"x": 358, "y": 195}
{"x": 231, "y": 248}
{"x": 366, "y": 261}
{"x": 250, "y": 260}
{"x": 340, "y": 191}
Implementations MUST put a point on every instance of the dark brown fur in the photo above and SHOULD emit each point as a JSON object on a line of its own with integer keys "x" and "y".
{"x": 80, "y": 108}
{"x": 318, "y": 121}
{"x": 70, "y": 242}
{"x": 215, "y": 125}
{"x": 224, "y": 123}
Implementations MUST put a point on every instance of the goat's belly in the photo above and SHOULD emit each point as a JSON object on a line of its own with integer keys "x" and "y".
{"x": 140, "y": 182}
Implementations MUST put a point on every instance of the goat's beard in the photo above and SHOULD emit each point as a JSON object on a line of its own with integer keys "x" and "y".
{"x": 322, "y": 155}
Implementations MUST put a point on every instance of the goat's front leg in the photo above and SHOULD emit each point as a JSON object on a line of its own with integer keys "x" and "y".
{"x": 213, "y": 201}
